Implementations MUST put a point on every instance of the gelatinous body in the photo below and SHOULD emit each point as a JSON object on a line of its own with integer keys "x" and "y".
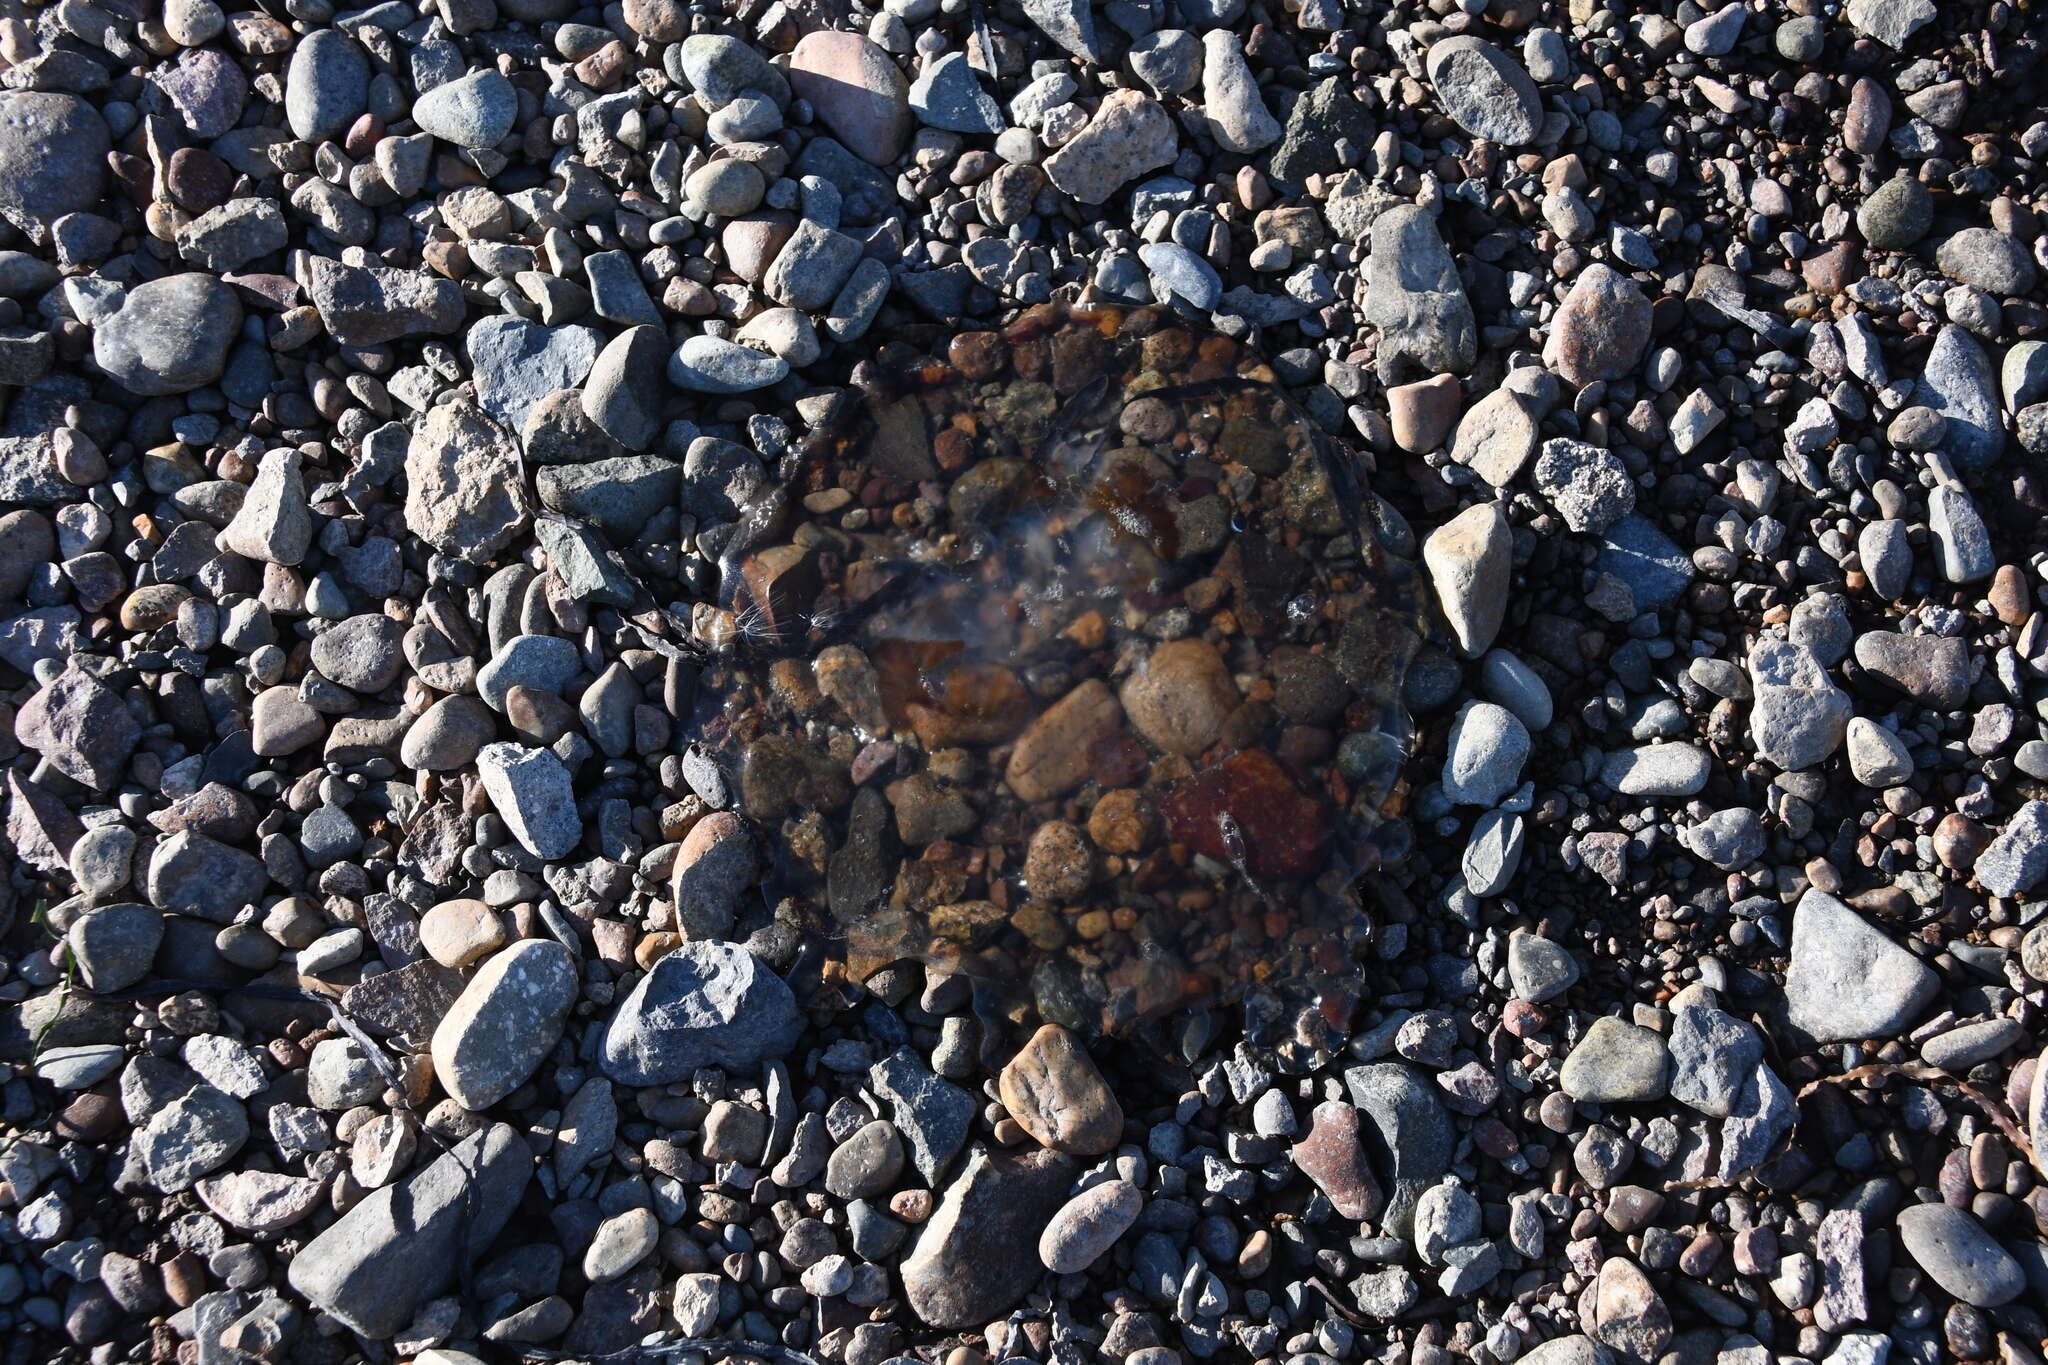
{"x": 1071, "y": 661}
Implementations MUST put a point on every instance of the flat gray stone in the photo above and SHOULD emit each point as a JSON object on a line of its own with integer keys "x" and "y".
{"x": 403, "y": 1244}
{"x": 1485, "y": 91}
{"x": 1847, "y": 980}
{"x": 704, "y": 1004}
{"x": 507, "y": 1019}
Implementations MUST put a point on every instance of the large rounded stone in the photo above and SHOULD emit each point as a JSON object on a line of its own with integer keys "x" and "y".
{"x": 53, "y": 156}
{"x": 169, "y": 336}
{"x": 857, "y": 92}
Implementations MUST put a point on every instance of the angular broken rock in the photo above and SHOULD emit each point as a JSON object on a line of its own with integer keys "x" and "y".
{"x": 191, "y": 1136}
{"x": 1129, "y": 135}
{"x": 1416, "y": 300}
{"x": 274, "y": 524}
{"x": 965, "y": 1268}
{"x": 1469, "y": 559}
{"x": 80, "y": 727}
{"x": 404, "y": 1243}
{"x": 704, "y": 1004}
{"x": 191, "y": 873}
{"x": 531, "y": 792}
{"x": 261, "y": 1201}
{"x": 465, "y": 490}
{"x": 370, "y": 305}
{"x": 1332, "y": 1156}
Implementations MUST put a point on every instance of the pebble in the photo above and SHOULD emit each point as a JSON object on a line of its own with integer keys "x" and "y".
{"x": 327, "y": 85}
{"x": 115, "y": 946}
{"x": 1128, "y": 135}
{"x": 1965, "y": 545}
{"x": 1800, "y": 716}
{"x": 1539, "y": 968}
{"x": 1896, "y": 215}
{"x": 1957, "y": 381}
{"x": 2016, "y": 861}
{"x": 1877, "y": 757}
{"x": 856, "y": 89}
{"x": 715, "y": 867}
{"x": 53, "y": 150}
{"x": 400, "y": 1246}
{"x": 703, "y": 1004}
{"x": 1469, "y": 559}
{"x": 1055, "y": 1093}
{"x": 1601, "y": 329}
{"x": 1488, "y": 747}
{"x": 620, "y": 1243}
{"x": 1590, "y": 487}
{"x": 1181, "y": 696}
{"x": 1931, "y": 669}
{"x": 461, "y": 932}
{"x": 1088, "y": 1225}
{"x": 531, "y": 791}
{"x": 1962, "y": 1048}
{"x": 706, "y": 364}
{"x": 168, "y": 336}
{"x": 193, "y": 1135}
{"x": 1332, "y": 1155}
{"x": 1616, "y": 1063}
{"x": 1232, "y": 104}
{"x": 1416, "y": 299}
{"x": 971, "y": 1261}
{"x": 464, "y": 491}
{"x": 1713, "y": 1055}
{"x": 947, "y": 95}
{"x": 518, "y": 363}
{"x": 1988, "y": 260}
{"x": 866, "y": 1165}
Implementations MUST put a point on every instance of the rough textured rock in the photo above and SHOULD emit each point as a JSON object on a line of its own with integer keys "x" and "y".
{"x": 704, "y": 1004}
{"x": 169, "y": 336}
{"x": 464, "y": 489}
{"x": 1847, "y": 979}
{"x": 53, "y": 157}
{"x": 963, "y": 1269}
{"x": 505, "y": 1021}
{"x": 403, "y": 1244}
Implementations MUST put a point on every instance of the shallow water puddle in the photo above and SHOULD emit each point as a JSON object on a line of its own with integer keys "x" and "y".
{"x": 1071, "y": 662}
